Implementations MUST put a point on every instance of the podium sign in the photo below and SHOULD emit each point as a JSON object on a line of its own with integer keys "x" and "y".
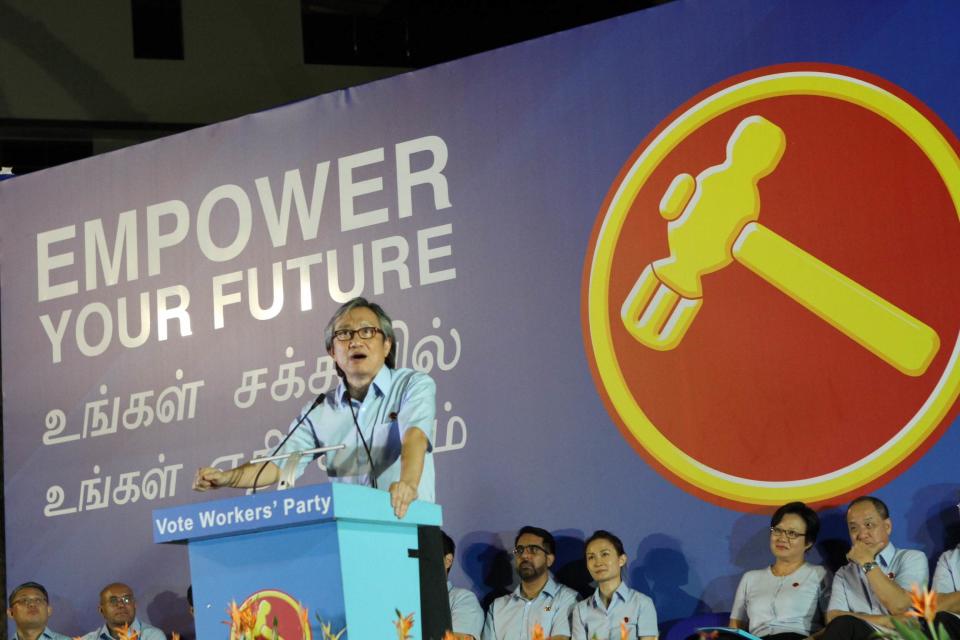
{"x": 334, "y": 553}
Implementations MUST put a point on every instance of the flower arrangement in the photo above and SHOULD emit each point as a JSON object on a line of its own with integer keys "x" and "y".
{"x": 242, "y": 620}
{"x": 403, "y": 625}
{"x": 125, "y": 633}
{"x": 923, "y": 606}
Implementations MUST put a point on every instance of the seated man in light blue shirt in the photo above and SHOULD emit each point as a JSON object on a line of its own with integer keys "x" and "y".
{"x": 877, "y": 580}
{"x": 384, "y": 415}
{"x": 946, "y": 582}
{"x": 29, "y": 608}
{"x": 538, "y": 600}
{"x": 119, "y": 610}
{"x": 465, "y": 611}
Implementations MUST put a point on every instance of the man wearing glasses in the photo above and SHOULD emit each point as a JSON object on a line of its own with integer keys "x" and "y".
{"x": 119, "y": 610}
{"x": 29, "y": 608}
{"x": 384, "y": 415}
{"x": 538, "y": 600}
{"x": 876, "y": 582}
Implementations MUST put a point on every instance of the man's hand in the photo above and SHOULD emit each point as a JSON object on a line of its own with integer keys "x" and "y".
{"x": 211, "y": 478}
{"x": 861, "y": 552}
{"x": 401, "y": 495}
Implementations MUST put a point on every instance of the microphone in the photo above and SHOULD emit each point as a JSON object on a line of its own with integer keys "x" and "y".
{"x": 366, "y": 447}
{"x": 316, "y": 403}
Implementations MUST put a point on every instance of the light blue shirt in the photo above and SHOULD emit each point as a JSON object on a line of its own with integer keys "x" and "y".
{"x": 795, "y": 603}
{"x": 946, "y": 577}
{"x": 396, "y": 400}
{"x": 143, "y": 631}
{"x": 851, "y": 591}
{"x": 591, "y": 618}
{"x": 47, "y": 634}
{"x": 465, "y": 611}
{"x": 511, "y": 617}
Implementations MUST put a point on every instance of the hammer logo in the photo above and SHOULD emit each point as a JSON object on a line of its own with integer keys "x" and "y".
{"x": 713, "y": 221}
{"x": 841, "y": 192}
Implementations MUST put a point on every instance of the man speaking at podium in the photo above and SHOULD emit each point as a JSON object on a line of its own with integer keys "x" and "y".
{"x": 384, "y": 416}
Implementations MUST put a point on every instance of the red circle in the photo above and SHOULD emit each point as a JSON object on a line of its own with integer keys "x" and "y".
{"x": 759, "y": 387}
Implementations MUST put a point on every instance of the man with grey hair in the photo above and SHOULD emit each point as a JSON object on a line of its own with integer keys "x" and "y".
{"x": 384, "y": 415}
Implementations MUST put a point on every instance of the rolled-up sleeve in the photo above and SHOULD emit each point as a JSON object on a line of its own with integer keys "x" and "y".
{"x": 418, "y": 407}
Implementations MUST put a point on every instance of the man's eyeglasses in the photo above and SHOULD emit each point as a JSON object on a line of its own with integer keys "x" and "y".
{"x": 533, "y": 549}
{"x": 116, "y": 600}
{"x": 791, "y": 535}
{"x": 365, "y": 333}
{"x": 25, "y": 602}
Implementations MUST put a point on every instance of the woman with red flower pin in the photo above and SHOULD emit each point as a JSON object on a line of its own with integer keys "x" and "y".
{"x": 788, "y": 599}
{"x": 614, "y": 611}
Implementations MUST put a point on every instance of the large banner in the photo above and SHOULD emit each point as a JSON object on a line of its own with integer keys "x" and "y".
{"x": 668, "y": 271}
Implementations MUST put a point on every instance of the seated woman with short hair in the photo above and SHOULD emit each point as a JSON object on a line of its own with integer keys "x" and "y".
{"x": 788, "y": 599}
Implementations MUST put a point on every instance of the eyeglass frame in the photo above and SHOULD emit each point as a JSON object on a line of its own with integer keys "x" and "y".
{"x": 346, "y": 335}
{"x": 27, "y": 601}
{"x": 534, "y": 549}
{"x": 127, "y": 599}
{"x": 789, "y": 534}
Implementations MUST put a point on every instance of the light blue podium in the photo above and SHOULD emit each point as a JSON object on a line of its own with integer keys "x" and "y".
{"x": 335, "y": 549}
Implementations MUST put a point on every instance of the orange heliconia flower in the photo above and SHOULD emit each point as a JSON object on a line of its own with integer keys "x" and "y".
{"x": 923, "y": 605}
{"x": 537, "y": 632}
{"x": 124, "y": 633}
{"x": 403, "y": 625}
{"x": 242, "y": 619}
{"x": 449, "y": 636}
{"x": 304, "y": 618}
{"x": 174, "y": 635}
{"x": 623, "y": 631}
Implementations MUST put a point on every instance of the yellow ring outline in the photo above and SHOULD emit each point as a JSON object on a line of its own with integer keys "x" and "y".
{"x": 831, "y": 85}
{"x": 280, "y": 595}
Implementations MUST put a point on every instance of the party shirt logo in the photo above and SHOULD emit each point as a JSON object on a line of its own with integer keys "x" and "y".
{"x": 271, "y": 615}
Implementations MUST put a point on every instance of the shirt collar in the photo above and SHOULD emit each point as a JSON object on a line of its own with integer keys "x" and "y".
{"x": 549, "y": 589}
{"x": 380, "y": 385}
{"x": 449, "y": 586}
{"x": 104, "y": 631}
{"x": 885, "y": 557}
{"x": 619, "y": 594}
{"x": 46, "y": 633}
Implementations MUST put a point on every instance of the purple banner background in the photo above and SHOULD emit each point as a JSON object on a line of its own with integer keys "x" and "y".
{"x": 535, "y": 136}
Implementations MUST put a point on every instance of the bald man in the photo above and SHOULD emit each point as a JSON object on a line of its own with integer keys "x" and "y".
{"x": 119, "y": 610}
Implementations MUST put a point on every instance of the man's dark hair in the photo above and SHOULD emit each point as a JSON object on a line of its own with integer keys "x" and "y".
{"x": 808, "y": 515}
{"x": 548, "y": 542}
{"x": 27, "y": 585}
{"x": 600, "y": 534}
{"x": 877, "y": 503}
{"x": 449, "y": 548}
